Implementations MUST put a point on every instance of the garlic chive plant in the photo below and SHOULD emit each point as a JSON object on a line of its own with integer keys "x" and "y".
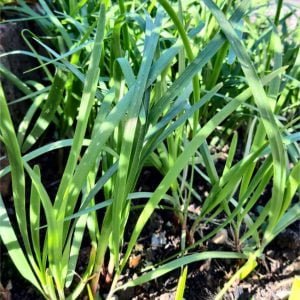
{"x": 132, "y": 85}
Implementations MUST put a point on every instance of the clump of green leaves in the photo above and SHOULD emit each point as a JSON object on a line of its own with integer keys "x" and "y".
{"x": 139, "y": 85}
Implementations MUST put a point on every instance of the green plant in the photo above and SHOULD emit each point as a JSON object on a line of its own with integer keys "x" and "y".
{"x": 131, "y": 94}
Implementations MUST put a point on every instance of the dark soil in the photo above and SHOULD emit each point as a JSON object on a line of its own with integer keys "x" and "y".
{"x": 271, "y": 280}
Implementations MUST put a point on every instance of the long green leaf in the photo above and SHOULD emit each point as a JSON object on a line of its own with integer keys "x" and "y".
{"x": 268, "y": 119}
{"x": 34, "y": 215}
{"x": 17, "y": 170}
{"x": 15, "y": 251}
{"x": 130, "y": 129}
{"x": 182, "y": 261}
{"x": 54, "y": 243}
{"x": 48, "y": 111}
{"x": 87, "y": 101}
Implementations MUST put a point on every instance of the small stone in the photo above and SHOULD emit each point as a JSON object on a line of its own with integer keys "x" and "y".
{"x": 158, "y": 240}
{"x": 283, "y": 294}
{"x": 221, "y": 237}
{"x": 134, "y": 261}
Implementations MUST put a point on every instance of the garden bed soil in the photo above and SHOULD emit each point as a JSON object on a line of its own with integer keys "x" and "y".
{"x": 271, "y": 280}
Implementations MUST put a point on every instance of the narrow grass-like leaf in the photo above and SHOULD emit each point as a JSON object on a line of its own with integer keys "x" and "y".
{"x": 295, "y": 291}
{"x": 62, "y": 56}
{"x": 159, "y": 135}
{"x": 25, "y": 123}
{"x": 163, "y": 61}
{"x": 65, "y": 64}
{"x": 54, "y": 243}
{"x": 182, "y": 261}
{"x": 17, "y": 170}
{"x": 80, "y": 226}
{"x": 130, "y": 129}
{"x": 34, "y": 51}
{"x": 274, "y": 86}
{"x": 127, "y": 71}
{"x": 29, "y": 96}
{"x": 23, "y": 87}
{"x": 231, "y": 153}
{"x": 108, "y": 202}
{"x": 97, "y": 143}
{"x": 48, "y": 111}
{"x": 291, "y": 186}
{"x": 30, "y": 54}
{"x": 45, "y": 149}
{"x": 87, "y": 100}
{"x": 34, "y": 216}
{"x": 228, "y": 183}
{"x": 181, "y": 284}
{"x": 293, "y": 213}
{"x": 273, "y": 133}
{"x": 242, "y": 273}
{"x": 15, "y": 251}
{"x": 54, "y": 20}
